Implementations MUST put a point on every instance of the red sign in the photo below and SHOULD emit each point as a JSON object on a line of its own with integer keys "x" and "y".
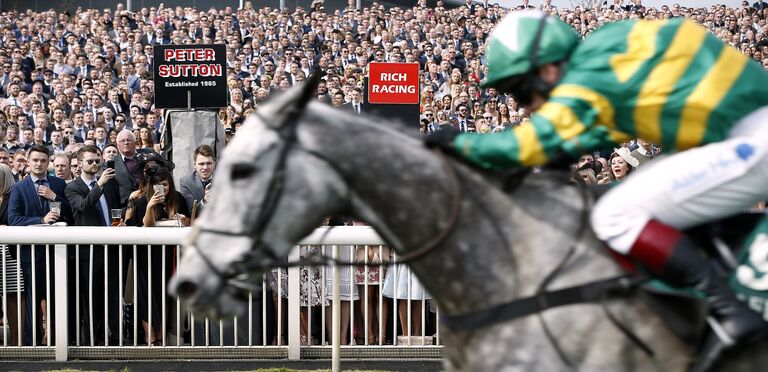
{"x": 393, "y": 83}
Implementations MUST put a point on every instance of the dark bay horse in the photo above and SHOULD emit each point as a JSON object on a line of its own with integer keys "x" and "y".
{"x": 294, "y": 162}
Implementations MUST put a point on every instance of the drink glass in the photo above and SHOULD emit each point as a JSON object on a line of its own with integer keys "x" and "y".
{"x": 117, "y": 216}
{"x": 56, "y": 207}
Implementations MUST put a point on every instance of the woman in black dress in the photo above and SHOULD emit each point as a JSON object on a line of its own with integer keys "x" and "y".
{"x": 150, "y": 209}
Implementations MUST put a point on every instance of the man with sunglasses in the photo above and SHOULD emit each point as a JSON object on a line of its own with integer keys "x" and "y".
{"x": 92, "y": 197}
{"x": 669, "y": 82}
{"x": 429, "y": 118}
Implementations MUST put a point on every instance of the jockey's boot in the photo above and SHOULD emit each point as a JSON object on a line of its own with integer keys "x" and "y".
{"x": 673, "y": 258}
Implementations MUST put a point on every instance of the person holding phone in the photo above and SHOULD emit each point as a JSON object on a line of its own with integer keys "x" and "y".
{"x": 160, "y": 201}
{"x": 91, "y": 197}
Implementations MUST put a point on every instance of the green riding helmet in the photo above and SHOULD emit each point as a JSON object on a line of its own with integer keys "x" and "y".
{"x": 511, "y": 53}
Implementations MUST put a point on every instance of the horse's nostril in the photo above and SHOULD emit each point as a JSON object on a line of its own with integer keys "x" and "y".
{"x": 186, "y": 290}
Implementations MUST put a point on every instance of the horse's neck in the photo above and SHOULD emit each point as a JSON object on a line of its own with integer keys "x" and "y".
{"x": 397, "y": 185}
{"x": 500, "y": 248}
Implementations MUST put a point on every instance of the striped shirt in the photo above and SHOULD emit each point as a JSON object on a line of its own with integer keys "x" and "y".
{"x": 670, "y": 82}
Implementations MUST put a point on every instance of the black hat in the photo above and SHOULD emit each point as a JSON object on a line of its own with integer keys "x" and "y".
{"x": 151, "y": 157}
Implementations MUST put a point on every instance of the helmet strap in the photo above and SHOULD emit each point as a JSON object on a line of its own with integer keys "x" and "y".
{"x": 537, "y": 84}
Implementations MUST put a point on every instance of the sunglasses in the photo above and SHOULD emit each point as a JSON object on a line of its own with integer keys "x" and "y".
{"x": 120, "y": 121}
{"x": 93, "y": 161}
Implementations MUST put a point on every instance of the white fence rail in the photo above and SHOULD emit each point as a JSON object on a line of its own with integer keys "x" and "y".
{"x": 99, "y": 275}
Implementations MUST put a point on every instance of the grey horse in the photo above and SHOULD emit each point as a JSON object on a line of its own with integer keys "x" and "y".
{"x": 501, "y": 247}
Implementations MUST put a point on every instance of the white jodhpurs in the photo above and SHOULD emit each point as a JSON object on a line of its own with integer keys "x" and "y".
{"x": 689, "y": 188}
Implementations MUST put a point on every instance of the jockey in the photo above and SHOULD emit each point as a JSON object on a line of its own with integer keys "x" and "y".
{"x": 669, "y": 82}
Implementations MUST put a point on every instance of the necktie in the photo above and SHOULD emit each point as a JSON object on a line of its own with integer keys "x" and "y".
{"x": 99, "y": 208}
{"x": 357, "y": 108}
{"x": 463, "y": 126}
{"x": 129, "y": 164}
{"x": 43, "y": 201}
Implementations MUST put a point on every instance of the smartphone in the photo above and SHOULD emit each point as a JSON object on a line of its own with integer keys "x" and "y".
{"x": 159, "y": 189}
{"x": 111, "y": 164}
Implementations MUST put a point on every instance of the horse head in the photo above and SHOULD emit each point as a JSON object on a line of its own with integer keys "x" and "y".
{"x": 270, "y": 192}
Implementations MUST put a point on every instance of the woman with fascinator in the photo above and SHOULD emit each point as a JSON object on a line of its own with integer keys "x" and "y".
{"x": 621, "y": 164}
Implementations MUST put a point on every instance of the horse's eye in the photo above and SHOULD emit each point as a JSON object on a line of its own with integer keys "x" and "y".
{"x": 242, "y": 170}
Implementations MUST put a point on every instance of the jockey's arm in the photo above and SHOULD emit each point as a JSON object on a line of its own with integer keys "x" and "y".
{"x": 564, "y": 126}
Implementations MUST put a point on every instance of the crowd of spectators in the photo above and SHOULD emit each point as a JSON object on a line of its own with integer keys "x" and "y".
{"x": 77, "y": 93}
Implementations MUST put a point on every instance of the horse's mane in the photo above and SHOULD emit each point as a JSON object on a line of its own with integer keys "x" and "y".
{"x": 506, "y": 180}
{"x": 394, "y": 124}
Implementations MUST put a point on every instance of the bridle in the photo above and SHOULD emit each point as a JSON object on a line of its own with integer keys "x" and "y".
{"x": 261, "y": 257}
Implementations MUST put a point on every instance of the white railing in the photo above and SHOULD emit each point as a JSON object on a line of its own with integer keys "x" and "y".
{"x": 299, "y": 305}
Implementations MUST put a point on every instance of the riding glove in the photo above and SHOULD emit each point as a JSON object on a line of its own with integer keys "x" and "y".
{"x": 442, "y": 139}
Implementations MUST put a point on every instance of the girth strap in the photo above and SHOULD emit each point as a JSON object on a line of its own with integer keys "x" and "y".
{"x": 617, "y": 287}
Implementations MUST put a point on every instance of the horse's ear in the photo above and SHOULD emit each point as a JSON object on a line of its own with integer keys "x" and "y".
{"x": 291, "y": 103}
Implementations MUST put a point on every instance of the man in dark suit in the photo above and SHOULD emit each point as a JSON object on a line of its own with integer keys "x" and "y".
{"x": 196, "y": 187}
{"x": 92, "y": 199}
{"x": 30, "y": 204}
{"x": 116, "y": 103}
{"x": 462, "y": 121}
{"x": 83, "y": 68}
{"x": 126, "y": 163}
{"x": 355, "y": 103}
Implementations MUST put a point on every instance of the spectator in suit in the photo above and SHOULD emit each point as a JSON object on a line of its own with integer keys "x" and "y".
{"x": 83, "y": 67}
{"x": 355, "y": 101}
{"x": 644, "y": 151}
{"x": 30, "y": 205}
{"x": 101, "y": 137}
{"x": 57, "y": 142}
{"x": 12, "y": 142}
{"x": 196, "y": 187}
{"x": 431, "y": 121}
{"x": 92, "y": 198}
{"x": 62, "y": 166}
{"x": 116, "y": 102}
{"x": 462, "y": 121}
{"x": 19, "y": 165}
{"x": 126, "y": 164}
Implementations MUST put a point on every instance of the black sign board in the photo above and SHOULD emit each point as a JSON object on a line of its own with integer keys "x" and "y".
{"x": 408, "y": 114}
{"x": 195, "y": 72}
